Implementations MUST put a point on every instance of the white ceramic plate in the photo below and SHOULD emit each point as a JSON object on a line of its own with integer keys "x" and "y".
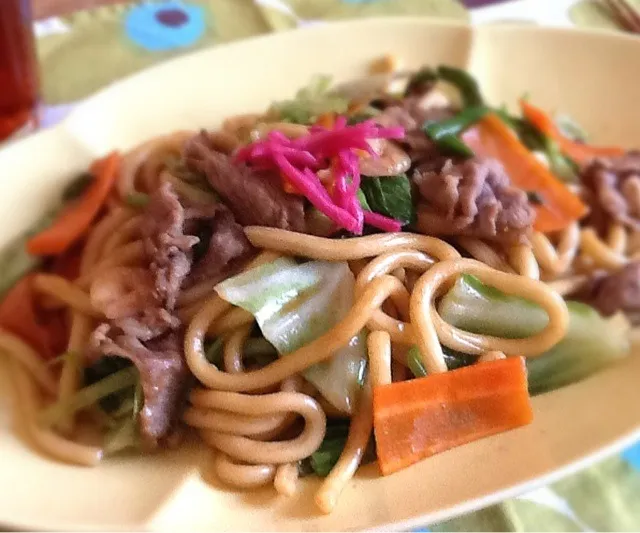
{"x": 593, "y": 77}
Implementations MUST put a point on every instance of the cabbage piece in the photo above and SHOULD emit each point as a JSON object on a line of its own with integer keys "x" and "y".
{"x": 297, "y": 303}
{"x": 310, "y": 102}
{"x": 591, "y": 343}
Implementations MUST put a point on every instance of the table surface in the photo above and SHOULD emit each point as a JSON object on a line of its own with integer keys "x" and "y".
{"x": 49, "y": 8}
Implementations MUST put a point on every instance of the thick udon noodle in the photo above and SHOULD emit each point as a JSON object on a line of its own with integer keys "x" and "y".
{"x": 262, "y": 421}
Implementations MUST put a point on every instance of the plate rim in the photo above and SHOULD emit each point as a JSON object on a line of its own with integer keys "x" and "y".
{"x": 464, "y": 507}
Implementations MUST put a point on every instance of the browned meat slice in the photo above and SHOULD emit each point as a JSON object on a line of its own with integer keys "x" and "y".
{"x": 139, "y": 304}
{"x": 391, "y": 160}
{"x": 163, "y": 375}
{"x": 472, "y": 198}
{"x": 613, "y": 191}
{"x": 411, "y": 116}
{"x": 619, "y": 291}
{"x": 166, "y": 244}
{"x": 227, "y": 247}
{"x": 254, "y": 199}
{"x": 151, "y": 323}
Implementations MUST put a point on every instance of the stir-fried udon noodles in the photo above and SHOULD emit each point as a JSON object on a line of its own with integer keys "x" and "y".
{"x": 375, "y": 271}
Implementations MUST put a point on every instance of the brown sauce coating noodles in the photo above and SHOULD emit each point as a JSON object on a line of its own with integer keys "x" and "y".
{"x": 261, "y": 420}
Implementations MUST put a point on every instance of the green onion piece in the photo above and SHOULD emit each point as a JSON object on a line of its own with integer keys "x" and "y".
{"x": 464, "y": 82}
{"x": 414, "y": 362}
{"x": 455, "y": 125}
{"x": 326, "y": 457}
{"x": 89, "y": 395}
{"x": 450, "y": 144}
{"x": 137, "y": 199}
{"x": 421, "y": 81}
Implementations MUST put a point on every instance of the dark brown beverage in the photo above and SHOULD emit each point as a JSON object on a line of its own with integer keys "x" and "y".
{"x": 18, "y": 68}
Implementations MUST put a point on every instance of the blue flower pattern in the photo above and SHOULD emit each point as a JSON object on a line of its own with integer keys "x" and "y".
{"x": 632, "y": 456}
{"x": 160, "y": 27}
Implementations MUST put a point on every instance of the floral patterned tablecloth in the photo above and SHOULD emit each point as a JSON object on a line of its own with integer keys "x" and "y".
{"x": 125, "y": 38}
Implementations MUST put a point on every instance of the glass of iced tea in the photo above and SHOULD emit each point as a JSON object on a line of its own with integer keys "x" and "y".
{"x": 18, "y": 69}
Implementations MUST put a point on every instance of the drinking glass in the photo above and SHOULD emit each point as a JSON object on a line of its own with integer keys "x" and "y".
{"x": 18, "y": 69}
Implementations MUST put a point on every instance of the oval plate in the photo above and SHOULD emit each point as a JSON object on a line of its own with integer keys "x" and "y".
{"x": 590, "y": 76}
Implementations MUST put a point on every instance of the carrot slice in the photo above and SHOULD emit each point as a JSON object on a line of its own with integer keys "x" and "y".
{"x": 421, "y": 417}
{"x": 18, "y": 315}
{"x": 579, "y": 152}
{"x": 74, "y": 221}
{"x": 559, "y": 207}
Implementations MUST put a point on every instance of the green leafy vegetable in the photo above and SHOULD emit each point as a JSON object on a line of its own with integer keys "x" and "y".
{"x": 125, "y": 435}
{"x": 390, "y": 196}
{"x": 15, "y": 261}
{"x": 322, "y": 461}
{"x": 102, "y": 368}
{"x": 310, "y": 102}
{"x": 452, "y": 358}
{"x": 591, "y": 343}
{"x": 362, "y": 199}
{"x": 528, "y": 135}
{"x": 326, "y": 456}
{"x": 464, "y": 82}
{"x": 114, "y": 383}
{"x": 570, "y": 128}
{"x": 561, "y": 165}
{"x": 296, "y": 303}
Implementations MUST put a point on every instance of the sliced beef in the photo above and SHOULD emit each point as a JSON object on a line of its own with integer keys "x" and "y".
{"x": 472, "y": 198}
{"x": 613, "y": 191}
{"x": 619, "y": 291}
{"x": 252, "y": 197}
{"x": 139, "y": 304}
{"x": 163, "y": 375}
{"x": 410, "y": 115}
{"x": 224, "y": 244}
{"x": 151, "y": 323}
{"x": 391, "y": 160}
{"x": 166, "y": 244}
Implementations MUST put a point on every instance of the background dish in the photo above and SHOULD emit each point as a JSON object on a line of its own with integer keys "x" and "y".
{"x": 585, "y": 75}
